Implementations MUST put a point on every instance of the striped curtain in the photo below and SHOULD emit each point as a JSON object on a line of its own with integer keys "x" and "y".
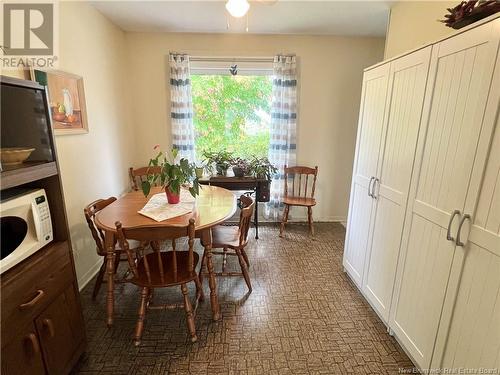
{"x": 181, "y": 112}
{"x": 282, "y": 148}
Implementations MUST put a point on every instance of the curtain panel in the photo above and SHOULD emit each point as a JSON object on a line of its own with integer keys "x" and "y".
{"x": 282, "y": 147}
{"x": 181, "y": 112}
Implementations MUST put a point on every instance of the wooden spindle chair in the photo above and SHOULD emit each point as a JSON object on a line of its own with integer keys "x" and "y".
{"x": 161, "y": 269}
{"x": 233, "y": 238}
{"x": 298, "y": 194}
{"x": 138, "y": 175}
{"x": 90, "y": 212}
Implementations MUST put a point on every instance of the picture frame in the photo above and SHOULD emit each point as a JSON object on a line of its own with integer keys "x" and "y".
{"x": 66, "y": 99}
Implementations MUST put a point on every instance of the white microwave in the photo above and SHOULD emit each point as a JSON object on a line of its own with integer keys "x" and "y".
{"x": 26, "y": 226}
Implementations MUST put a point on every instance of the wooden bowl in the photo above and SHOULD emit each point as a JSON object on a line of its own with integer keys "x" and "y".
{"x": 15, "y": 155}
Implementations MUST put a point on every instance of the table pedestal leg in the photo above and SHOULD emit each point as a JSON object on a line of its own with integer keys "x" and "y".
{"x": 110, "y": 270}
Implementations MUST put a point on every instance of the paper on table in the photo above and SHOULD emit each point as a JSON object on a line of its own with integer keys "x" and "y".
{"x": 159, "y": 209}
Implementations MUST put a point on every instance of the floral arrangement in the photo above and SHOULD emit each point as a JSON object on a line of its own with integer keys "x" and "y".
{"x": 470, "y": 11}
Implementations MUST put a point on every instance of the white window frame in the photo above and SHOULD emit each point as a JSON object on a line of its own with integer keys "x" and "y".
{"x": 247, "y": 66}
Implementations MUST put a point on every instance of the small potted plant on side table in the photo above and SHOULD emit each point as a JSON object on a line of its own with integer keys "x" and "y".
{"x": 241, "y": 167}
{"x": 221, "y": 159}
{"x": 172, "y": 176}
{"x": 199, "y": 170}
{"x": 261, "y": 168}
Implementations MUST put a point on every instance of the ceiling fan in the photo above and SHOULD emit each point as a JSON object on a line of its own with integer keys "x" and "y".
{"x": 238, "y": 8}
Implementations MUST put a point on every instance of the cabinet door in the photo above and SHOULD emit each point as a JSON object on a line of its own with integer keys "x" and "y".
{"x": 469, "y": 332}
{"x": 60, "y": 331}
{"x": 22, "y": 355}
{"x": 408, "y": 79}
{"x": 460, "y": 78}
{"x": 370, "y": 128}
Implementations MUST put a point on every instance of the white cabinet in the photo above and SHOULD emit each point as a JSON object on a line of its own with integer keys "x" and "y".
{"x": 423, "y": 232}
{"x": 469, "y": 331}
{"x": 371, "y": 123}
{"x": 391, "y": 109}
{"x": 408, "y": 77}
{"x": 442, "y": 190}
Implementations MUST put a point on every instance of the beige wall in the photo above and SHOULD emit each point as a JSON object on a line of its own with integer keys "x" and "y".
{"x": 331, "y": 70}
{"x": 93, "y": 165}
{"x": 414, "y": 23}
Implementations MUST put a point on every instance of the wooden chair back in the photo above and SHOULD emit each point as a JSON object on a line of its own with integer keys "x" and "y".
{"x": 153, "y": 234}
{"x": 302, "y": 181}
{"x": 247, "y": 209}
{"x": 138, "y": 175}
{"x": 90, "y": 211}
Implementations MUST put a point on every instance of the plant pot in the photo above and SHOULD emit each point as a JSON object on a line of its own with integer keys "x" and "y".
{"x": 199, "y": 172}
{"x": 238, "y": 172}
{"x": 221, "y": 169}
{"x": 172, "y": 198}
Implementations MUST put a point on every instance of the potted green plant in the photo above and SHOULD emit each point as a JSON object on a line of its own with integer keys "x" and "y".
{"x": 221, "y": 159}
{"x": 172, "y": 176}
{"x": 263, "y": 169}
{"x": 199, "y": 170}
{"x": 241, "y": 167}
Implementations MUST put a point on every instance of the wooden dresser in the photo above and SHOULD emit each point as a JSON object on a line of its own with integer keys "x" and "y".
{"x": 42, "y": 328}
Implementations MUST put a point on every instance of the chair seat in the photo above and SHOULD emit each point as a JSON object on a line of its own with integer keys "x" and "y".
{"x": 169, "y": 278}
{"x": 224, "y": 236}
{"x": 299, "y": 201}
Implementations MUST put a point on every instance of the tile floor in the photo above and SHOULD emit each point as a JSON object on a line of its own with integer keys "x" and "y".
{"x": 304, "y": 316}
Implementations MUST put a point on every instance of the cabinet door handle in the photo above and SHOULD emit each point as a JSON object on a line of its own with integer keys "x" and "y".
{"x": 370, "y": 187}
{"x": 47, "y": 323}
{"x": 39, "y": 294}
{"x": 459, "y": 232}
{"x": 374, "y": 186}
{"x": 33, "y": 340}
{"x": 448, "y": 232}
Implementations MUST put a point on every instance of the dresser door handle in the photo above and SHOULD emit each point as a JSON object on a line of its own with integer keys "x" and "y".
{"x": 370, "y": 187}
{"x": 39, "y": 294}
{"x": 33, "y": 340}
{"x": 374, "y": 186}
{"x": 448, "y": 232}
{"x": 459, "y": 232}
{"x": 47, "y": 323}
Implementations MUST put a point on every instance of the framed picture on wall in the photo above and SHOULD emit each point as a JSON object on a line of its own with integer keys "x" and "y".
{"x": 66, "y": 98}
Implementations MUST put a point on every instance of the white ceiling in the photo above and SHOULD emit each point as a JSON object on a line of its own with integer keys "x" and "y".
{"x": 363, "y": 18}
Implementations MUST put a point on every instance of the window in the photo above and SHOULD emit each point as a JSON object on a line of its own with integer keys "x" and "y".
{"x": 231, "y": 112}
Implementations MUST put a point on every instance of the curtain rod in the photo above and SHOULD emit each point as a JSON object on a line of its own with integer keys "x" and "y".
{"x": 232, "y": 59}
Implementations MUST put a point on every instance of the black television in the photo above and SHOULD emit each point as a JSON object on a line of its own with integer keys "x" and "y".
{"x": 25, "y": 122}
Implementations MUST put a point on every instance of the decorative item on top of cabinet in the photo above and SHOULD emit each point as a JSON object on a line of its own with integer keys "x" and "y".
{"x": 470, "y": 11}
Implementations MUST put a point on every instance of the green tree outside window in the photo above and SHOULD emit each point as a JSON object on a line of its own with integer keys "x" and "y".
{"x": 232, "y": 113}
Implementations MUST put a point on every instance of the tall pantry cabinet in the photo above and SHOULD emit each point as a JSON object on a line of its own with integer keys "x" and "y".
{"x": 424, "y": 219}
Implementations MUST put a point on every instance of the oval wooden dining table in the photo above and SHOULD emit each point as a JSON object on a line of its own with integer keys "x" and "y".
{"x": 213, "y": 206}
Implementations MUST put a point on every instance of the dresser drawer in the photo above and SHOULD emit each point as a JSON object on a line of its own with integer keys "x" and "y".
{"x": 28, "y": 288}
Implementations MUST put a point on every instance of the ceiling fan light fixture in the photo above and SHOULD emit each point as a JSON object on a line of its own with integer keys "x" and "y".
{"x": 237, "y": 8}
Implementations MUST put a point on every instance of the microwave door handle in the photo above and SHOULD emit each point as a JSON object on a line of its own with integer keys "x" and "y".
{"x": 36, "y": 219}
